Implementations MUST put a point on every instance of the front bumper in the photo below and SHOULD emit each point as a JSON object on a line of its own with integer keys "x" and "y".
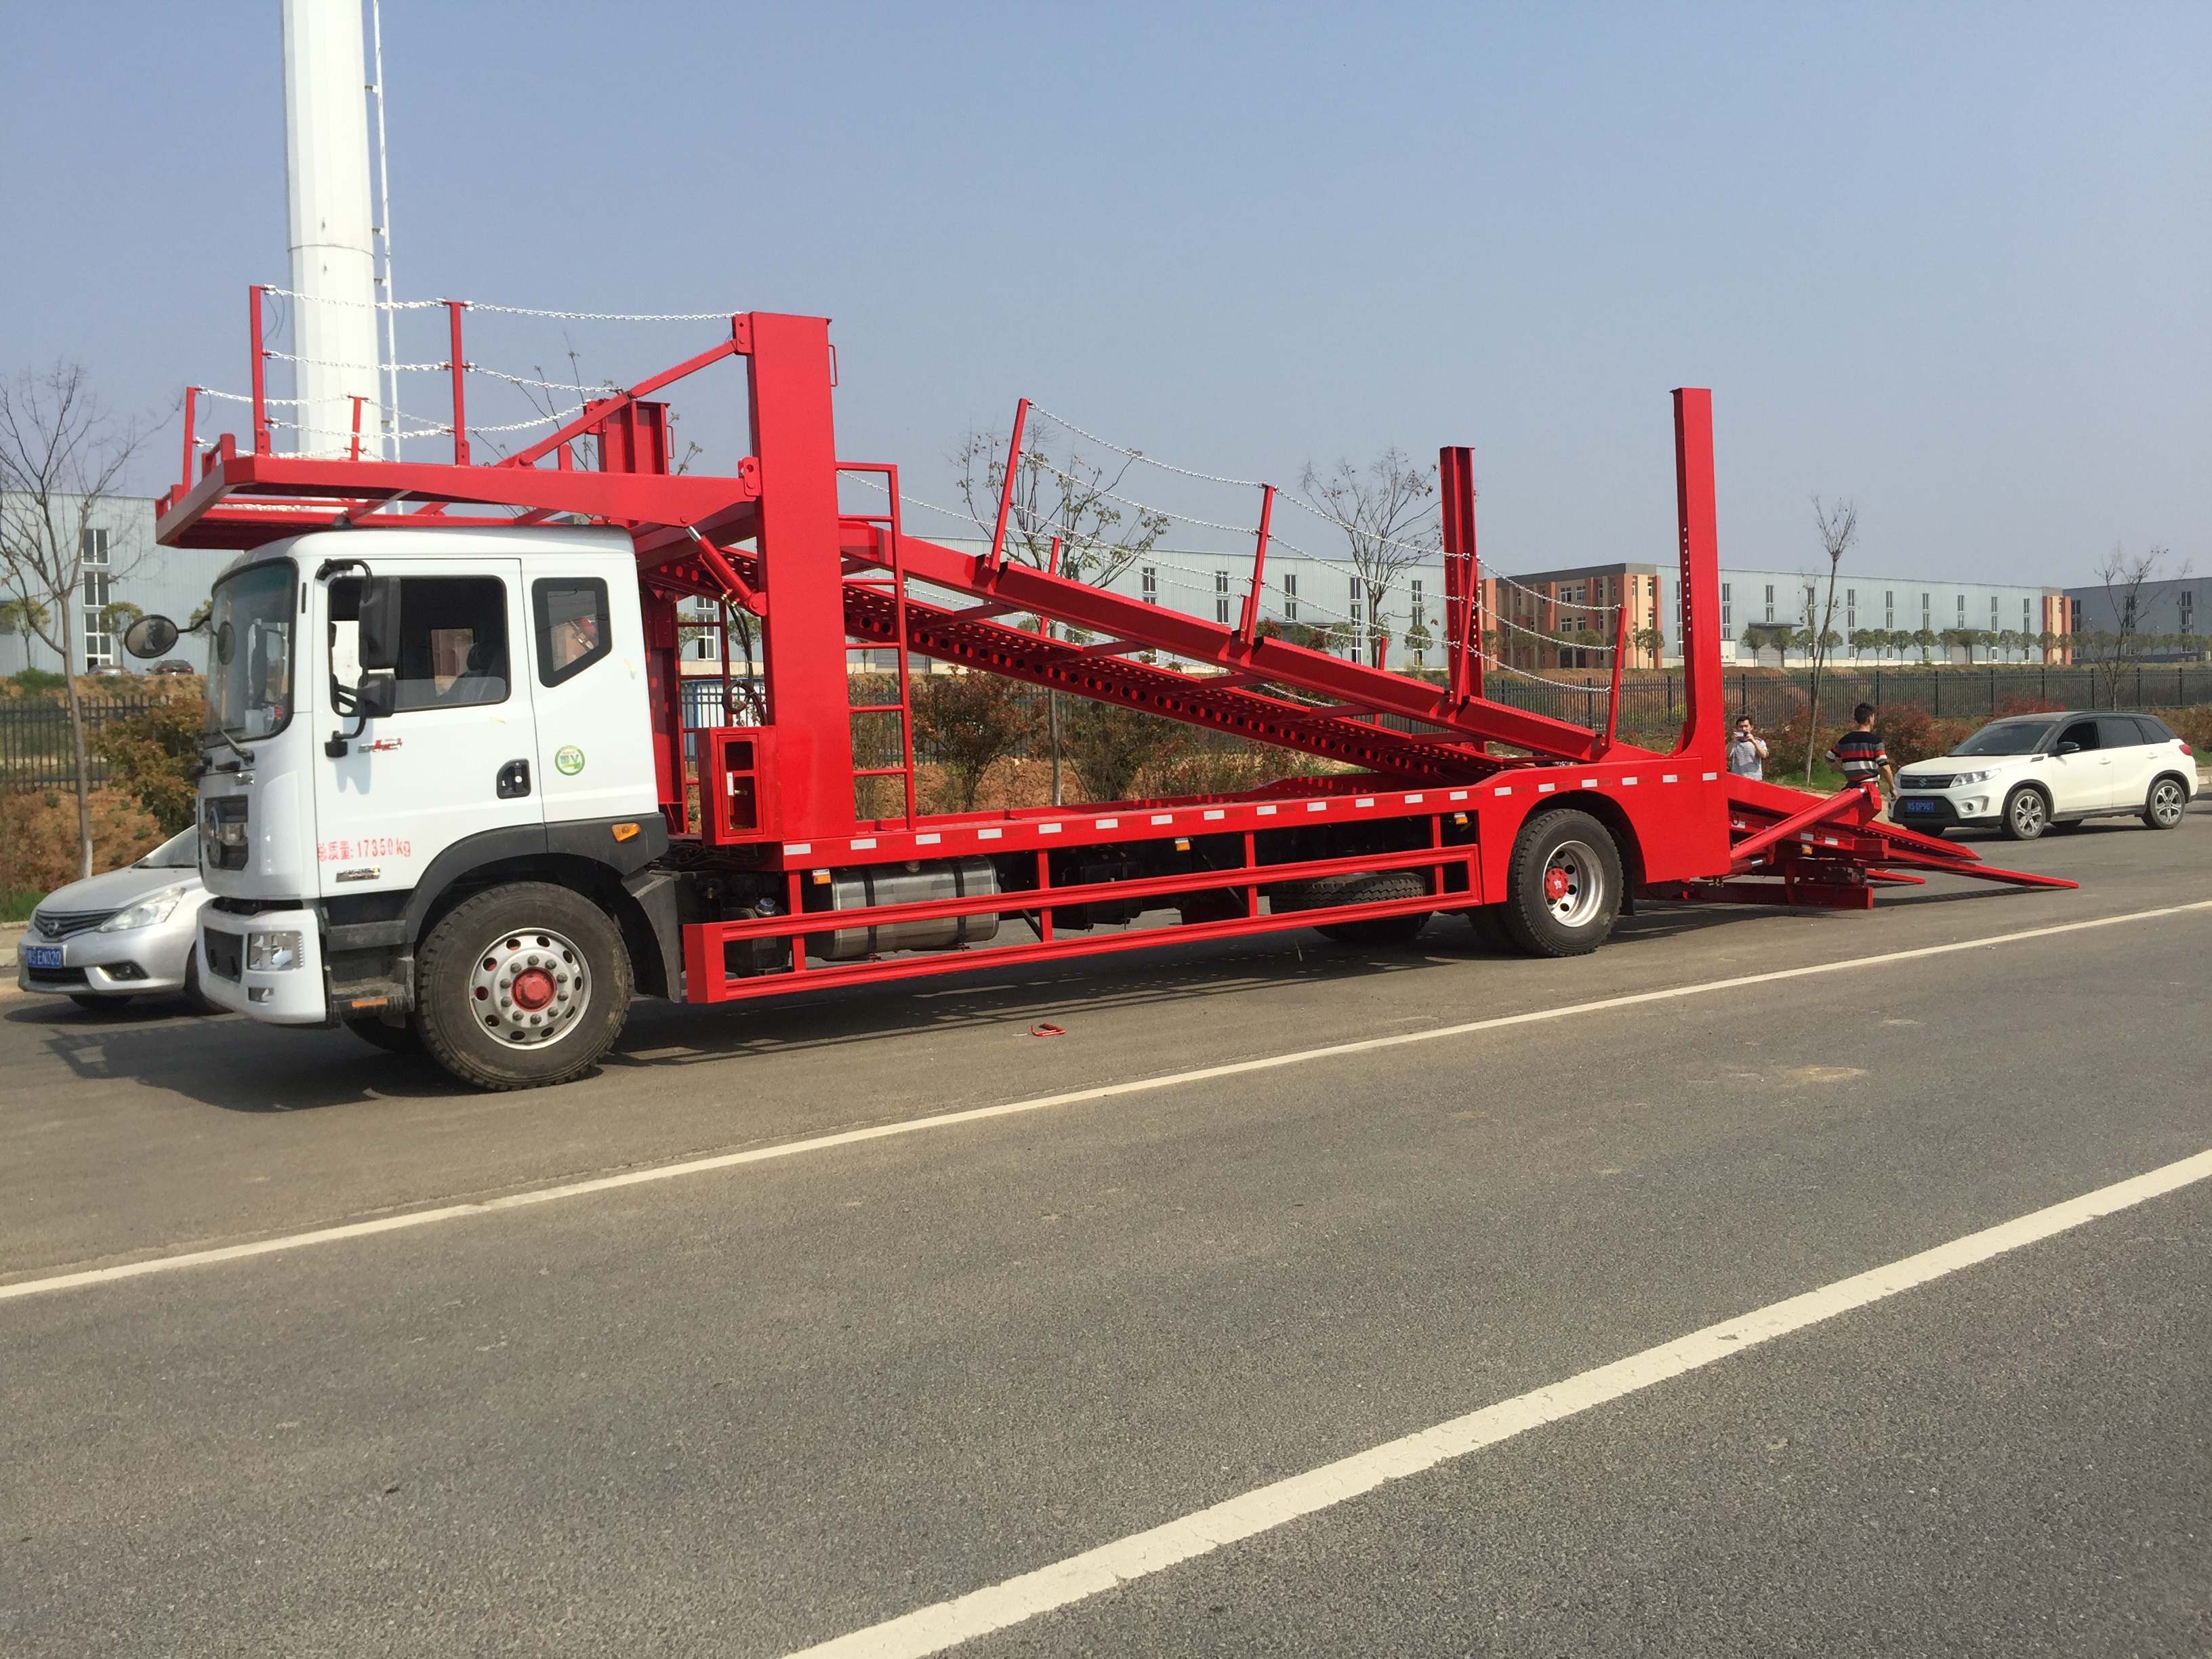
{"x": 286, "y": 996}
{"x": 1976, "y": 805}
{"x": 136, "y": 963}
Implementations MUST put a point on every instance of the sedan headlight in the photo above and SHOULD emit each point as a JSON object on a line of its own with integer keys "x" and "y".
{"x": 1964, "y": 778}
{"x": 273, "y": 952}
{"x": 155, "y": 907}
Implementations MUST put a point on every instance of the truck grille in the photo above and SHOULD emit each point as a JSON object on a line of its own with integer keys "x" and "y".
{"x": 226, "y": 954}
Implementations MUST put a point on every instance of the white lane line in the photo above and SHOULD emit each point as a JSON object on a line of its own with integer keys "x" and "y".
{"x": 947, "y": 1624}
{"x": 161, "y": 1264}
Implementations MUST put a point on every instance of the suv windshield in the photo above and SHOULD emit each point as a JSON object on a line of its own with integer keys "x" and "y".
{"x": 2007, "y": 737}
{"x": 250, "y": 661}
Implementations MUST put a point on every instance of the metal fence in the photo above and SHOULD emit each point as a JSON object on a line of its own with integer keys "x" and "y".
{"x": 35, "y": 751}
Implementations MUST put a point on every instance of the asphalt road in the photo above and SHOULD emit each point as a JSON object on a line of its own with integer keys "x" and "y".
{"x": 751, "y": 1409}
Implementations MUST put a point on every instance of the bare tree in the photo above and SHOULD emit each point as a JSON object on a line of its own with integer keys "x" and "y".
{"x": 62, "y": 458}
{"x": 1058, "y": 496}
{"x": 1839, "y": 527}
{"x": 2122, "y": 574}
{"x": 1387, "y": 513}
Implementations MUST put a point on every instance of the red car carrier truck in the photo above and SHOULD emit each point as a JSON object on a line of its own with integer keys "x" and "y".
{"x": 445, "y": 798}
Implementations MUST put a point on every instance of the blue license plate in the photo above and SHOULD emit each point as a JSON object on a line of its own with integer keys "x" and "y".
{"x": 1920, "y": 806}
{"x": 42, "y": 956}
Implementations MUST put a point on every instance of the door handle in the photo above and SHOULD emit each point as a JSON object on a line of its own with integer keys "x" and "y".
{"x": 514, "y": 780}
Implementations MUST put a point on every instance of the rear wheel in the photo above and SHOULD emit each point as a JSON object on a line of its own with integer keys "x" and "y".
{"x": 2026, "y": 813}
{"x": 1563, "y": 890}
{"x": 2168, "y": 800}
{"x": 522, "y": 986}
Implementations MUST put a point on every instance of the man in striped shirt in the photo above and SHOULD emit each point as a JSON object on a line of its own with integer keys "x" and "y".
{"x": 1858, "y": 754}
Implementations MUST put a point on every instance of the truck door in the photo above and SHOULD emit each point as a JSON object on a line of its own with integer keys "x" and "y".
{"x": 587, "y": 670}
{"x": 458, "y": 756}
{"x": 2080, "y": 781}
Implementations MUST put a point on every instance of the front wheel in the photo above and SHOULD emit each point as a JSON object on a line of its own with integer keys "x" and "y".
{"x": 1563, "y": 890}
{"x": 522, "y": 986}
{"x": 2026, "y": 813}
{"x": 2168, "y": 800}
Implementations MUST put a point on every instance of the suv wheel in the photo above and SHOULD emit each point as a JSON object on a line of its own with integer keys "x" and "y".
{"x": 1563, "y": 892}
{"x": 2169, "y": 799}
{"x": 2026, "y": 813}
{"x": 522, "y": 986}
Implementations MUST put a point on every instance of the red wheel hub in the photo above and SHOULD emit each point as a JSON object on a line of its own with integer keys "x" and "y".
{"x": 534, "y": 989}
{"x": 1556, "y": 882}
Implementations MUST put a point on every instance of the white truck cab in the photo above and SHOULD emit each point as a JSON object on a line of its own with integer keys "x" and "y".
{"x": 415, "y": 726}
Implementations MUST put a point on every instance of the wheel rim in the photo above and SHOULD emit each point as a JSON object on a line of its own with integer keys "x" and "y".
{"x": 2166, "y": 803}
{"x": 2028, "y": 811}
{"x": 528, "y": 987}
{"x": 1574, "y": 884}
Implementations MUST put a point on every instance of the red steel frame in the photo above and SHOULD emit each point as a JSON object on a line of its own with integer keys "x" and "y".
{"x": 771, "y": 537}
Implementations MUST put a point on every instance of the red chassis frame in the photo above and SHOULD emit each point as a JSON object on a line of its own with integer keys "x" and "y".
{"x": 770, "y": 537}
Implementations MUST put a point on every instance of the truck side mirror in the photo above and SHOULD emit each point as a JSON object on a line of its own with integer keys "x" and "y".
{"x": 380, "y": 622}
{"x": 375, "y": 697}
{"x": 151, "y": 636}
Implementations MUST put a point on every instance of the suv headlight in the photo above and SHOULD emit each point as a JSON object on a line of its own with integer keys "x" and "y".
{"x": 155, "y": 907}
{"x": 1964, "y": 778}
{"x": 273, "y": 952}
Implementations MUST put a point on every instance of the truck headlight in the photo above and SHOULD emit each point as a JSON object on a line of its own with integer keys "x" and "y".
{"x": 155, "y": 907}
{"x": 273, "y": 952}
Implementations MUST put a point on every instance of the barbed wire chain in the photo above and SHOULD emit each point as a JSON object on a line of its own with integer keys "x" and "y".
{"x": 512, "y": 311}
{"x": 324, "y": 363}
{"x": 354, "y": 305}
{"x": 607, "y": 387}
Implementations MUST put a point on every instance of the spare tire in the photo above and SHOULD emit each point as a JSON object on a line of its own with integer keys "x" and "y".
{"x": 1363, "y": 887}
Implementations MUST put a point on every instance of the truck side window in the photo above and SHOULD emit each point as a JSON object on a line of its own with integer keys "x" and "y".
{"x": 453, "y": 641}
{"x": 573, "y": 630}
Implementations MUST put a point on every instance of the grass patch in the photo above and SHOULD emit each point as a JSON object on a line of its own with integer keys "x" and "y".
{"x": 17, "y": 904}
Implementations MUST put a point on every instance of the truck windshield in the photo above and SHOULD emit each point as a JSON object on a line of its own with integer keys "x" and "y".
{"x": 2007, "y": 737}
{"x": 250, "y": 660}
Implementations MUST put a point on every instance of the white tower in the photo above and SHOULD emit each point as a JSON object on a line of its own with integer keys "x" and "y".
{"x": 326, "y": 184}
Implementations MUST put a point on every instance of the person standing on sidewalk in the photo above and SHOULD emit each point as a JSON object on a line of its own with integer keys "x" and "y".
{"x": 1746, "y": 750}
{"x": 1858, "y": 754}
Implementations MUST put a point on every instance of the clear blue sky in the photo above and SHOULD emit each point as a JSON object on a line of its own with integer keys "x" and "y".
{"x": 1955, "y": 262}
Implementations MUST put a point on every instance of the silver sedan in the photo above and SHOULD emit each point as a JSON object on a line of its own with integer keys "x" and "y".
{"x": 128, "y": 933}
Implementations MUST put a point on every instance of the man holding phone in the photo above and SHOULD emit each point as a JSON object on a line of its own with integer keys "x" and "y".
{"x": 1746, "y": 750}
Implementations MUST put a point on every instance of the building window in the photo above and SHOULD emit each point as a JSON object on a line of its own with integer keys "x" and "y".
{"x": 1419, "y": 612}
{"x": 1994, "y": 623}
{"x": 1727, "y": 610}
{"x": 2187, "y": 600}
{"x": 1924, "y": 612}
{"x": 1148, "y": 584}
{"x": 1850, "y": 610}
{"x": 1962, "y": 611}
{"x": 1221, "y": 596}
{"x": 1291, "y": 597}
{"x": 1812, "y": 606}
{"x": 1889, "y": 608}
{"x": 1770, "y": 602}
{"x": 99, "y": 590}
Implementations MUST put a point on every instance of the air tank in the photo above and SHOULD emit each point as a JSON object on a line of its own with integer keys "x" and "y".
{"x": 907, "y": 884}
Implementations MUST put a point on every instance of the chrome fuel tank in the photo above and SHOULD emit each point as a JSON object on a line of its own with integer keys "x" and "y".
{"x": 895, "y": 884}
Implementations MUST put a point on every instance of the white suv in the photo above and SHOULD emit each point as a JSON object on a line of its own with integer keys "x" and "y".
{"x": 2025, "y": 774}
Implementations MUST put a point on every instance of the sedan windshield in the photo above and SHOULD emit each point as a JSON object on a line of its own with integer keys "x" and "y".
{"x": 250, "y": 666}
{"x": 2007, "y": 737}
{"x": 180, "y": 852}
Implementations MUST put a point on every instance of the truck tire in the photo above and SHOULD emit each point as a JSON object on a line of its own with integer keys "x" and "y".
{"x": 522, "y": 986}
{"x": 1368, "y": 887}
{"x": 2168, "y": 802}
{"x": 2026, "y": 813}
{"x": 392, "y": 1039}
{"x": 1563, "y": 888}
{"x": 1488, "y": 921}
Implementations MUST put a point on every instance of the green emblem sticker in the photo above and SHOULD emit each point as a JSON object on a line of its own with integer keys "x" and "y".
{"x": 570, "y": 760}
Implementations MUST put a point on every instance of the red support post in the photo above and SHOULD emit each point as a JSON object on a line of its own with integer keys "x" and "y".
{"x": 1007, "y": 490}
{"x": 1703, "y": 725}
{"x": 260, "y": 373}
{"x": 459, "y": 367}
{"x": 1462, "y": 576}
{"x": 1619, "y": 662}
{"x": 1247, "y": 628}
{"x": 354, "y": 454}
{"x": 192, "y": 399}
